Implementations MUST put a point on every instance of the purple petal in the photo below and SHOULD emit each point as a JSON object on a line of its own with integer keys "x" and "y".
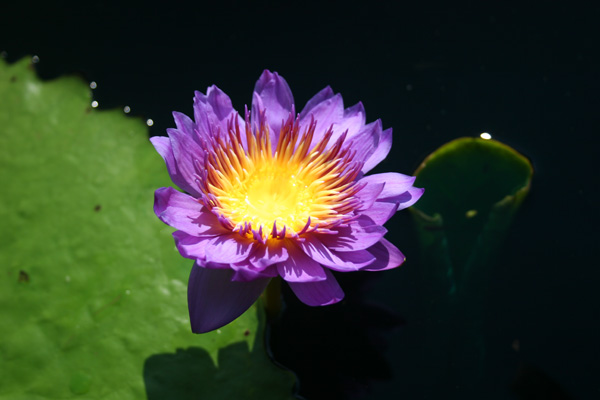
{"x": 369, "y": 194}
{"x": 186, "y": 152}
{"x": 352, "y": 121}
{"x": 318, "y": 293}
{"x": 212, "y": 111}
{"x": 365, "y": 142}
{"x": 299, "y": 267}
{"x": 214, "y": 300}
{"x": 163, "y": 147}
{"x": 189, "y": 246}
{"x": 323, "y": 95}
{"x": 360, "y": 234}
{"x": 184, "y": 123}
{"x": 395, "y": 183}
{"x": 272, "y": 93}
{"x": 268, "y": 254}
{"x": 381, "y": 152}
{"x": 380, "y": 212}
{"x": 347, "y": 261}
{"x": 183, "y": 212}
{"x": 326, "y": 113}
{"x": 229, "y": 248}
{"x": 246, "y": 272}
{"x": 387, "y": 256}
{"x": 398, "y": 188}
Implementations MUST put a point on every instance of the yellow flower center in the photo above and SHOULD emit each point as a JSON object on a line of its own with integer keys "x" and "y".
{"x": 295, "y": 187}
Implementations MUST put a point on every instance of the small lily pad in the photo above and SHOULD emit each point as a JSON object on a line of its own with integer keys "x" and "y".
{"x": 473, "y": 188}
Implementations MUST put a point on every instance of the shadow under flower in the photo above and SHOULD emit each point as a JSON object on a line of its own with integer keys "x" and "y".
{"x": 239, "y": 374}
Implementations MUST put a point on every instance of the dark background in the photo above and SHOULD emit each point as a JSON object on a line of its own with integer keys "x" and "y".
{"x": 529, "y": 76}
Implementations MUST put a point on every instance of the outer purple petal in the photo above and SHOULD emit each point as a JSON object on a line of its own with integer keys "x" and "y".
{"x": 326, "y": 113}
{"x": 212, "y": 111}
{"x": 163, "y": 147}
{"x": 323, "y": 95}
{"x": 369, "y": 194}
{"x": 299, "y": 267}
{"x": 366, "y": 141}
{"x": 265, "y": 255}
{"x": 318, "y": 293}
{"x": 214, "y": 300}
{"x": 387, "y": 256}
{"x": 398, "y": 188}
{"x": 229, "y": 248}
{"x": 381, "y": 152}
{"x": 246, "y": 272}
{"x": 272, "y": 93}
{"x": 184, "y": 123}
{"x": 381, "y": 212}
{"x": 358, "y": 235}
{"x": 186, "y": 152}
{"x": 183, "y": 212}
{"x": 189, "y": 246}
{"x": 345, "y": 262}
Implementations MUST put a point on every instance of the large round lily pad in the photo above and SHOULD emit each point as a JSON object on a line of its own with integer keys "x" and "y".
{"x": 93, "y": 293}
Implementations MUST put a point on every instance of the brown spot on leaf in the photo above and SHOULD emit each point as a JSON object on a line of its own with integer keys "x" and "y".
{"x": 23, "y": 276}
{"x": 246, "y": 332}
{"x": 97, "y": 208}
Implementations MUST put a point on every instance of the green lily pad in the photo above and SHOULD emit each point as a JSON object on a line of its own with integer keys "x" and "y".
{"x": 473, "y": 188}
{"x": 93, "y": 292}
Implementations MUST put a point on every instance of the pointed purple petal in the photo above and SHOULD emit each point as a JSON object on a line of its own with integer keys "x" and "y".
{"x": 325, "y": 114}
{"x": 183, "y": 212}
{"x": 189, "y": 246}
{"x": 360, "y": 234}
{"x": 324, "y": 94}
{"x": 268, "y": 254}
{"x": 345, "y": 262}
{"x": 387, "y": 256}
{"x": 214, "y": 300}
{"x": 229, "y": 248}
{"x": 246, "y": 272}
{"x": 184, "y": 123}
{"x": 163, "y": 147}
{"x": 318, "y": 293}
{"x": 398, "y": 188}
{"x": 383, "y": 149}
{"x": 380, "y": 212}
{"x": 369, "y": 193}
{"x": 272, "y": 93}
{"x": 299, "y": 267}
{"x": 212, "y": 111}
{"x": 365, "y": 142}
{"x": 186, "y": 152}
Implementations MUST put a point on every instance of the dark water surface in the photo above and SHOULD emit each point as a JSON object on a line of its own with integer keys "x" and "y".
{"x": 530, "y": 77}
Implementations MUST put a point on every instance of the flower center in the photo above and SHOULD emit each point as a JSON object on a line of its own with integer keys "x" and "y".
{"x": 283, "y": 193}
{"x": 270, "y": 194}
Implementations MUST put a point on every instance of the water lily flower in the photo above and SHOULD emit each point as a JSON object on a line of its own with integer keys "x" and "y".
{"x": 274, "y": 193}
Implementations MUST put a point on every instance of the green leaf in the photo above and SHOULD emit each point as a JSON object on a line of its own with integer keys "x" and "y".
{"x": 93, "y": 292}
{"x": 473, "y": 187}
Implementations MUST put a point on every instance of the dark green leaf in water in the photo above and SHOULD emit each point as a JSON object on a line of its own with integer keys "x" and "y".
{"x": 93, "y": 293}
{"x": 473, "y": 188}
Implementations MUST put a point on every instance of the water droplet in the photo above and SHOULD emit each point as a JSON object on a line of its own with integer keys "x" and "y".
{"x": 93, "y": 85}
{"x": 219, "y": 331}
{"x": 128, "y": 292}
{"x": 67, "y": 279}
{"x": 149, "y": 122}
{"x": 94, "y": 104}
{"x": 126, "y": 109}
{"x": 485, "y": 136}
{"x": 35, "y": 59}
